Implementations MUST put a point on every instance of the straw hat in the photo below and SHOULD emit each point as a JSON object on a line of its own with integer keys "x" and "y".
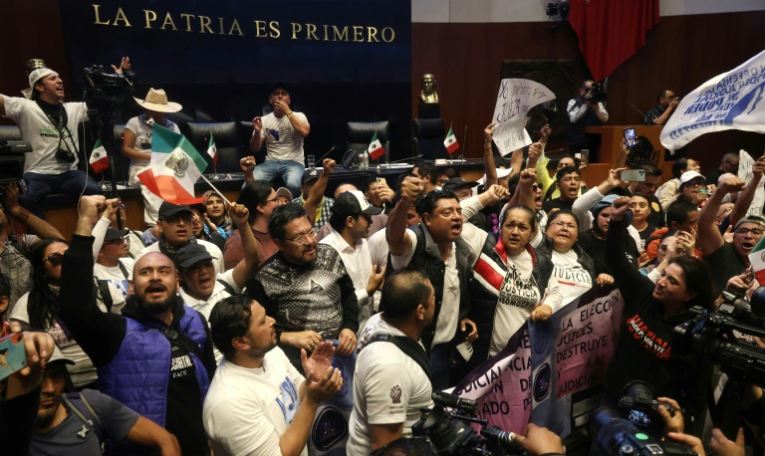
{"x": 156, "y": 100}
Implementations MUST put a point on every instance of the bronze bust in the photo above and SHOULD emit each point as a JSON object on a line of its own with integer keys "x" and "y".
{"x": 428, "y": 93}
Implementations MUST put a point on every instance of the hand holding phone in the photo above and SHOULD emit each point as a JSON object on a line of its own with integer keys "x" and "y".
{"x": 13, "y": 356}
{"x": 630, "y": 137}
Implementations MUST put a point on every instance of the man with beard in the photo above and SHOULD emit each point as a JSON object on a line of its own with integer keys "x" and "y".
{"x": 305, "y": 287}
{"x": 69, "y": 424}
{"x": 728, "y": 260}
{"x": 157, "y": 357}
{"x": 350, "y": 221}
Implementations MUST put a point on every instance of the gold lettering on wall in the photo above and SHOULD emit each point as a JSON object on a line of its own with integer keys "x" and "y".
{"x": 220, "y": 22}
{"x": 391, "y": 34}
{"x": 260, "y": 29}
{"x": 188, "y": 20}
{"x": 275, "y": 32}
{"x": 310, "y": 33}
{"x": 372, "y": 34}
{"x": 295, "y": 29}
{"x": 235, "y": 26}
{"x": 358, "y": 34}
{"x": 97, "y": 19}
{"x": 150, "y": 16}
{"x": 169, "y": 21}
{"x": 343, "y": 36}
{"x": 204, "y": 24}
{"x": 326, "y": 32}
{"x": 121, "y": 17}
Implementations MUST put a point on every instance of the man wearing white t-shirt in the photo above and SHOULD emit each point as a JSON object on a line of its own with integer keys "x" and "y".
{"x": 258, "y": 403}
{"x": 51, "y": 126}
{"x": 283, "y": 132}
{"x": 391, "y": 382}
{"x": 350, "y": 221}
{"x": 201, "y": 288}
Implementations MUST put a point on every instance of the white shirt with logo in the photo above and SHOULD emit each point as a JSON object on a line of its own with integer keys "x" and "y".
{"x": 246, "y": 410}
{"x": 37, "y": 128}
{"x": 281, "y": 140}
{"x": 573, "y": 279}
{"x": 389, "y": 387}
{"x": 143, "y": 128}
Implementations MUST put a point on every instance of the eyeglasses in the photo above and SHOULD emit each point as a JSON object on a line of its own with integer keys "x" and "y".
{"x": 301, "y": 240}
{"x": 55, "y": 259}
{"x": 562, "y": 224}
{"x": 273, "y": 200}
{"x": 118, "y": 241}
{"x": 535, "y": 187}
{"x": 744, "y": 231}
{"x": 695, "y": 184}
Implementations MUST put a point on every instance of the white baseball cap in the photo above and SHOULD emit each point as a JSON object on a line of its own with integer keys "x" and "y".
{"x": 38, "y": 74}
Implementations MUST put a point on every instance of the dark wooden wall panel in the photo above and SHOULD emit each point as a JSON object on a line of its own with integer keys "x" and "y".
{"x": 681, "y": 52}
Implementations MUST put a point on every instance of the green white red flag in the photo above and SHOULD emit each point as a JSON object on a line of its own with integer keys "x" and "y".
{"x": 99, "y": 161}
{"x": 212, "y": 151}
{"x": 450, "y": 142}
{"x": 174, "y": 168}
{"x": 757, "y": 260}
{"x": 375, "y": 148}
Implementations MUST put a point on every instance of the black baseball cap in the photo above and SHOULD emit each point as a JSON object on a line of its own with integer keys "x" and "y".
{"x": 279, "y": 85}
{"x": 191, "y": 254}
{"x": 353, "y": 203}
{"x": 311, "y": 174}
{"x": 113, "y": 235}
{"x": 456, "y": 182}
{"x": 169, "y": 209}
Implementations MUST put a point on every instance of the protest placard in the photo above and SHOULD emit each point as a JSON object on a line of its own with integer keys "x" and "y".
{"x": 515, "y": 98}
{"x": 729, "y": 101}
{"x": 745, "y": 173}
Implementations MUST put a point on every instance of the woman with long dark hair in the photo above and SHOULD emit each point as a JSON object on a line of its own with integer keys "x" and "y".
{"x": 39, "y": 308}
{"x": 646, "y": 350}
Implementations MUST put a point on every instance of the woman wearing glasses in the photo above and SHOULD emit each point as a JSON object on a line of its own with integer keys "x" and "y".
{"x": 574, "y": 268}
{"x": 38, "y": 309}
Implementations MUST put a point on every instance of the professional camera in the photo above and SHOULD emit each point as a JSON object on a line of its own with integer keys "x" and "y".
{"x": 596, "y": 94}
{"x": 640, "y": 406}
{"x": 108, "y": 87}
{"x": 450, "y": 433}
{"x": 612, "y": 434}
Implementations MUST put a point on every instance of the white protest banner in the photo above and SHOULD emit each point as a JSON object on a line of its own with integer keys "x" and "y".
{"x": 745, "y": 173}
{"x": 515, "y": 98}
{"x": 730, "y": 101}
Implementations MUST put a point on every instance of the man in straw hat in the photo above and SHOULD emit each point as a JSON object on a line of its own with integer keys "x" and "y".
{"x": 283, "y": 132}
{"x": 136, "y": 144}
{"x": 50, "y": 125}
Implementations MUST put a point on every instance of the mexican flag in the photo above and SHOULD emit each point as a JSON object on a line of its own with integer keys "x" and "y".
{"x": 99, "y": 161}
{"x": 375, "y": 148}
{"x": 212, "y": 151}
{"x": 174, "y": 168}
{"x": 450, "y": 142}
{"x": 757, "y": 260}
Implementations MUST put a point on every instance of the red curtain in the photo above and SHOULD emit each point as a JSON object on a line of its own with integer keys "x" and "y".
{"x": 611, "y": 31}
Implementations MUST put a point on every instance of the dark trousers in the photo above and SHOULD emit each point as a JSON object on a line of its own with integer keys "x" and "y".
{"x": 41, "y": 185}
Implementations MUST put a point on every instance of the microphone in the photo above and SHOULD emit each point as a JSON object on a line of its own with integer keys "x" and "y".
{"x": 636, "y": 109}
{"x": 325, "y": 155}
{"x": 454, "y": 401}
{"x": 408, "y": 158}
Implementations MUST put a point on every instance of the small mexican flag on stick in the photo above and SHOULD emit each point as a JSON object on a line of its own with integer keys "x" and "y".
{"x": 174, "y": 168}
{"x": 757, "y": 260}
{"x": 99, "y": 161}
{"x": 212, "y": 151}
{"x": 450, "y": 142}
{"x": 375, "y": 148}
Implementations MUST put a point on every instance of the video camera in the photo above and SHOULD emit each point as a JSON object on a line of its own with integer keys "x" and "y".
{"x": 12, "y": 160}
{"x": 596, "y": 94}
{"x": 450, "y": 433}
{"x": 108, "y": 87}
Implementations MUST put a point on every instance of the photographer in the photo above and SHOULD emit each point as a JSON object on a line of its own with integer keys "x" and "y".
{"x": 644, "y": 351}
{"x": 660, "y": 114}
{"x": 51, "y": 126}
{"x": 585, "y": 111}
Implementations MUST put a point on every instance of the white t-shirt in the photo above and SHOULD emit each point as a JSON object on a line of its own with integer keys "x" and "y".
{"x": 573, "y": 279}
{"x": 212, "y": 249}
{"x": 358, "y": 263}
{"x": 82, "y": 372}
{"x": 42, "y": 134}
{"x": 281, "y": 140}
{"x": 246, "y": 411}
{"x": 388, "y": 387}
{"x": 448, "y": 316}
{"x": 205, "y": 307}
{"x": 143, "y": 132}
{"x": 119, "y": 285}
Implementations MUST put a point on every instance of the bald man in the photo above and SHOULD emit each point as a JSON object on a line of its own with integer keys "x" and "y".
{"x": 157, "y": 357}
